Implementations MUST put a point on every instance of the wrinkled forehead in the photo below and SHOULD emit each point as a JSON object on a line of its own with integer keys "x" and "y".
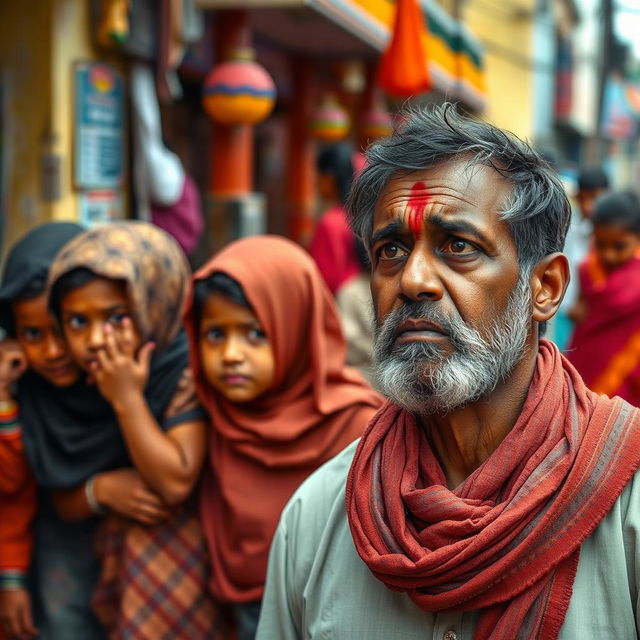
{"x": 458, "y": 187}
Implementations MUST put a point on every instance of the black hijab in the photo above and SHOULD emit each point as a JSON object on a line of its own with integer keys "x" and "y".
{"x": 28, "y": 264}
{"x": 72, "y": 433}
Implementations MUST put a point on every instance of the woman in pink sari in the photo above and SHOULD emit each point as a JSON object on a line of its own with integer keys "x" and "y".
{"x": 605, "y": 347}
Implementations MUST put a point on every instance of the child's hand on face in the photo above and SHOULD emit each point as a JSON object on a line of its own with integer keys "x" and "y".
{"x": 15, "y": 614}
{"x": 12, "y": 365}
{"x": 119, "y": 372}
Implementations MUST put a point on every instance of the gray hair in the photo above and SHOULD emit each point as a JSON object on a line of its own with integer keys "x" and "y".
{"x": 538, "y": 212}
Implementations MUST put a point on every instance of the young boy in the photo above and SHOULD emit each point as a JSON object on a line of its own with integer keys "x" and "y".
{"x": 37, "y": 345}
{"x": 605, "y": 347}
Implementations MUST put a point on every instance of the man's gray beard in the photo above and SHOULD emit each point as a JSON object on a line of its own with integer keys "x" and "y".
{"x": 421, "y": 378}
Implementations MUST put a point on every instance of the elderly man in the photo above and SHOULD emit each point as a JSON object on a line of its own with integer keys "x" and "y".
{"x": 493, "y": 496}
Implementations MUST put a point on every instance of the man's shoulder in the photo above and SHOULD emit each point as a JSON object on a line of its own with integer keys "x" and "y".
{"x": 321, "y": 495}
{"x": 328, "y": 480}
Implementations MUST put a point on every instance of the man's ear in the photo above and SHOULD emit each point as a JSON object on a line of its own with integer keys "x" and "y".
{"x": 549, "y": 282}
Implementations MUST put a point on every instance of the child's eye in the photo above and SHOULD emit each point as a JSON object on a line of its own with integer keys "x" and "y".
{"x": 30, "y": 334}
{"x": 117, "y": 318}
{"x": 76, "y": 322}
{"x": 213, "y": 335}
{"x": 257, "y": 335}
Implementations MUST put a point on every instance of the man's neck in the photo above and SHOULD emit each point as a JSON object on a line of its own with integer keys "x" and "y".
{"x": 463, "y": 439}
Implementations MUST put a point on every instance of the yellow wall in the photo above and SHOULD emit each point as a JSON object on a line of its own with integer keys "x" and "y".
{"x": 505, "y": 28}
{"x": 70, "y": 43}
{"x": 25, "y": 42}
{"x": 39, "y": 45}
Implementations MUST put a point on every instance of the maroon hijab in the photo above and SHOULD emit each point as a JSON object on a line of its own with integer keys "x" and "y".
{"x": 261, "y": 452}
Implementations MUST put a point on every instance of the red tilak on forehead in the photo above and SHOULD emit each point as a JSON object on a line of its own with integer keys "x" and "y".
{"x": 416, "y": 206}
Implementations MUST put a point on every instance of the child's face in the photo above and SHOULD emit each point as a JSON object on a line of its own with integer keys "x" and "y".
{"x": 327, "y": 187}
{"x": 45, "y": 350}
{"x": 586, "y": 199}
{"x": 236, "y": 356}
{"x": 615, "y": 245}
{"x": 86, "y": 311}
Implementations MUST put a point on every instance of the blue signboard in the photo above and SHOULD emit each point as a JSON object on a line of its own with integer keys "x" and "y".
{"x": 99, "y": 127}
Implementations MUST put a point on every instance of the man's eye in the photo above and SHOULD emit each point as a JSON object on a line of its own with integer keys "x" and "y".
{"x": 76, "y": 322}
{"x": 391, "y": 251}
{"x": 458, "y": 246}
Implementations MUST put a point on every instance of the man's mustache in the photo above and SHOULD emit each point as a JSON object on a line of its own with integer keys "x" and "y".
{"x": 428, "y": 312}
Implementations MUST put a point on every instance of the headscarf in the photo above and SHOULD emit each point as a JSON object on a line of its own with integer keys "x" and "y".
{"x": 260, "y": 452}
{"x": 29, "y": 260}
{"x": 507, "y": 540}
{"x": 72, "y": 433}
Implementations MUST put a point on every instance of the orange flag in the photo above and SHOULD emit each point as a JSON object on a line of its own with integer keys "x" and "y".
{"x": 403, "y": 68}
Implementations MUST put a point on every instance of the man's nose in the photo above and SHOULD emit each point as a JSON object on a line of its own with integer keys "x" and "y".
{"x": 419, "y": 279}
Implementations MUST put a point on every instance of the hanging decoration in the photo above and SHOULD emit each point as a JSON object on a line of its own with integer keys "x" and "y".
{"x": 330, "y": 121}
{"x": 113, "y": 28}
{"x": 403, "y": 68}
{"x": 239, "y": 91}
{"x": 376, "y": 121}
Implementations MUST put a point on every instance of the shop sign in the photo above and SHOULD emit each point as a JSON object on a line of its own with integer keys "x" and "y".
{"x": 99, "y": 207}
{"x": 99, "y": 127}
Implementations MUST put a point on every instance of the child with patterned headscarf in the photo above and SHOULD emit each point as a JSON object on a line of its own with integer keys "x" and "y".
{"x": 130, "y": 441}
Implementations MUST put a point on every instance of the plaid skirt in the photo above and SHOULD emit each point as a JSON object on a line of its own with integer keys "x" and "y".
{"x": 153, "y": 584}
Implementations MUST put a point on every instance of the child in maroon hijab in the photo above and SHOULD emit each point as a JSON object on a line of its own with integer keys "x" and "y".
{"x": 268, "y": 357}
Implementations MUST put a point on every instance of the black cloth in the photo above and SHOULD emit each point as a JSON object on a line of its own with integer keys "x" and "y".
{"x": 30, "y": 258}
{"x": 72, "y": 433}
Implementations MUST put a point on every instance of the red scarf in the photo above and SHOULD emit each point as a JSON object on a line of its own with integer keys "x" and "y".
{"x": 506, "y": 541}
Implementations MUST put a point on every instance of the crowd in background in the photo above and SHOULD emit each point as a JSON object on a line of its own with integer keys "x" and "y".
{"x": 153, "y": 423}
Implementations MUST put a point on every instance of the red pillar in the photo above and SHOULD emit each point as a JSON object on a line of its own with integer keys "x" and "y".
{"x": 301, "y": 173}
{"x": 367, "y": 102}
{"x": 232, "y": 151}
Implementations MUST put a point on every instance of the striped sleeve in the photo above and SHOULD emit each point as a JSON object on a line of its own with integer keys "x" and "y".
{"x": 17, "y": 501}
{"x": 9, "y": 423}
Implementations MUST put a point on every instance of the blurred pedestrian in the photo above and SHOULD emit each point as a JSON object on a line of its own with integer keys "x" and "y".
{"x": 591, "y": 183}
{"x": 269, "y": 362}
{"x": 333, "y": 243}
{"x": 34, "y": 357}
{"x": 354, "y": 304}
{"x": 605, "y": 347}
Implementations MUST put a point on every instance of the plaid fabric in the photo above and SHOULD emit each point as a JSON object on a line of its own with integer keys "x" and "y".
{"x": 154, "y": 581}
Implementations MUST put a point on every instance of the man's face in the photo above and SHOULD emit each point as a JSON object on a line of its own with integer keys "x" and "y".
{"x": 452, "y": 310}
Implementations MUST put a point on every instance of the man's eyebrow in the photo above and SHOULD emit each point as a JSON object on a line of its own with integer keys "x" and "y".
{"x": 459, "y": 226}
{"x": 388, "y": 231}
